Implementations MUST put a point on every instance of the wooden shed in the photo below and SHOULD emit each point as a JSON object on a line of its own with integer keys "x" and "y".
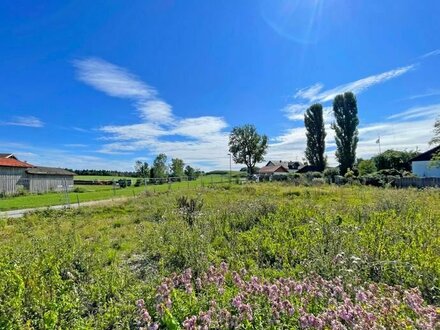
{"x": 16, "y": 175}
{"x": 45, "y": 179}
{"x": 12, "y": 174}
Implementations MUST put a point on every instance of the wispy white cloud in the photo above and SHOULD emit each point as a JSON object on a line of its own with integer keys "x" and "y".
{"x": 198, "y": 140}
{"x": 418, "y": 112}
{"x": 156, "y": 111}
{"x": 435, "y": 52}
{"x": 295, "y": 111}
{"x": 428, "y": 93}
{"x": 26, "y": 121}
{"x": 315, "y": 92}
{"x": 111, "y": 79}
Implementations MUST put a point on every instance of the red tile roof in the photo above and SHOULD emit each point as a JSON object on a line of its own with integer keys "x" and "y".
{"x": 273, "y": 169}
{"x": 12, "y": 162}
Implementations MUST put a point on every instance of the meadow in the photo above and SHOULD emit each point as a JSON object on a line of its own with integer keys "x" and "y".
{"x": 86, "y": 193}
{"x": 255, "y": 256}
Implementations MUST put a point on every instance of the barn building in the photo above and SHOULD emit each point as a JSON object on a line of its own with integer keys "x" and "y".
{"x": 12, "y": 174}
{"x": 44, "y": 179}
{"x": 16, "y": 175}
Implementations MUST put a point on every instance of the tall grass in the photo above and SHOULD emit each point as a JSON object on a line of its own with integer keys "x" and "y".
{"x": 85, "y": 269}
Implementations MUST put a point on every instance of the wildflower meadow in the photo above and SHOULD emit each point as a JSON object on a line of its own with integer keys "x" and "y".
{"x": 256, "y": 256}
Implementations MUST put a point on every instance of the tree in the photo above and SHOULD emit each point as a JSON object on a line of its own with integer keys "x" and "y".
{"x": 160, "y": 166}
{"x": 247, "y": 146}
{"x": 314, "y": 122}
{"x": 435, "y": 161}
{"x": 394, "y": 159}
{"x": 436, "y": 139}
{"x": 190, "y": 172}
{"x": 366, "y": 166}
{"x": 346, "y": 133}
{"x": 176, "y": 167}
{"x": 141, "y": 169}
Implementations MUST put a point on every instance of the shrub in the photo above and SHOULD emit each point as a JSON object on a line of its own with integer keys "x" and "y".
{"x": 318, "y": 181}
{"x": 366, "y": 167}
{"x": 189, "y": 208}
{"x": 349, "y": 174}
{"x": 330, "y": 173}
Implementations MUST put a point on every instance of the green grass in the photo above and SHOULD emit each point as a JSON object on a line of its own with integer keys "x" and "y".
{"x": 96, "y": 192}
{"x": 85, "y": 268}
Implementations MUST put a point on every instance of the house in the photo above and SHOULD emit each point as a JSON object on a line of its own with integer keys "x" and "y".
{"x": 273, "y": 170}
{"x": 291, "y": 166}
{"x": 16, "y": 175}
{"x": 422, "y": 166}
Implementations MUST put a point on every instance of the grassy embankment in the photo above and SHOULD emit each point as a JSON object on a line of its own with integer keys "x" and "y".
{"x": 85, "y": 269}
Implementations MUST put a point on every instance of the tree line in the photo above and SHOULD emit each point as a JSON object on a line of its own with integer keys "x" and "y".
{"x": 162, "y": 169}
{"x": 248, "y": 147}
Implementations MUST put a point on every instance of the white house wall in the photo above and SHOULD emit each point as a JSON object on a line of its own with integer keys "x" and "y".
{"x": 425, "y": 169}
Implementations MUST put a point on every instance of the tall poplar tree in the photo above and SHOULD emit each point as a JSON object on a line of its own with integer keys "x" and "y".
{"x": 314, "y": 123}
{"x": 346, "y": 132}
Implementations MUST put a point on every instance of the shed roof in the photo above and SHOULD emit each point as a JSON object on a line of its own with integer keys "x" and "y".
{"x": 49, "y": 171}
{"x": 12, "y": 162}
{"x": 427, "y": 155}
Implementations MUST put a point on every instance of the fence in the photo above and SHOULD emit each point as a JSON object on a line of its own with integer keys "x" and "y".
{"x": 417, "y": 182}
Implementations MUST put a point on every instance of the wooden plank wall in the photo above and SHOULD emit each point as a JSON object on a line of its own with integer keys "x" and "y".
{"x": 46, "y": 183}
{"x": 11, "y": 178}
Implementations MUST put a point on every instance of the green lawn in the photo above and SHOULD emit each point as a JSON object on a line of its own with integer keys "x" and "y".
{"x": 328, "y": 252}
{"x": 87, "y": 193}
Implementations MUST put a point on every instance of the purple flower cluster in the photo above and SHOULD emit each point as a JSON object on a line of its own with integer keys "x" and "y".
{"x": 229, "y": 300}
{"x": 144, "y": 318}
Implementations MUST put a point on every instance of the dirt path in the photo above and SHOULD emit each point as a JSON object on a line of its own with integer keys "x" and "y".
{"x": 22, "y": 212}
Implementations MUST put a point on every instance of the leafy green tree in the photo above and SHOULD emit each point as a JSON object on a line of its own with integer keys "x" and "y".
{"x": 435, "y": 162}
{"x": 314, "y": 123}
{"x": 190, "y": 172}
{"x": 177, "y": 167}
{"x": 141, "y": 169}
{"x": 394, "y": 159}
{"x": 247, "y": 146}
{"x": 346, "y": 132}
{"x": 160, "y": 166}
{"x": 436, "y": 139}
{"x": 366, "y": 166}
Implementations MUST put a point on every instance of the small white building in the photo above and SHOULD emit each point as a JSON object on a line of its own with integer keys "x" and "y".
{"x": 424, "y": 167}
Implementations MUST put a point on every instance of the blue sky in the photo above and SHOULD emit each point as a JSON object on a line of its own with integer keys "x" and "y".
{"x": 100, "y": 84}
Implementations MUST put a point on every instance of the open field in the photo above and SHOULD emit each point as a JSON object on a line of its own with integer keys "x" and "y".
{"x": 86, "y": 193}
{"x": 102, "y": 177}
{"x": 334, "y": 247}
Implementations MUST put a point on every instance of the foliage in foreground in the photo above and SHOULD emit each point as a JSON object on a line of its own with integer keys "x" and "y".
{"x": 85, "y": 269}
{"x": 221, "y": 299}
